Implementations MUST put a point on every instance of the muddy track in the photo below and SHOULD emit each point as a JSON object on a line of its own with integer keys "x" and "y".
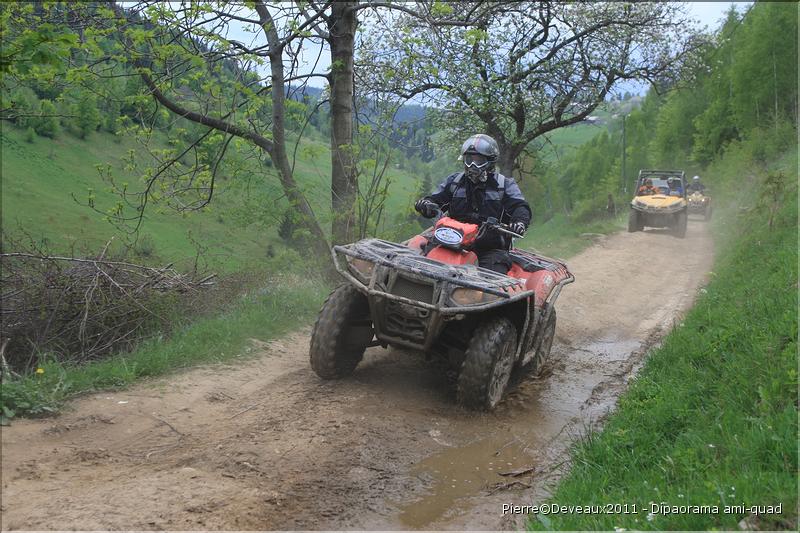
{"x": 267, "y": 445}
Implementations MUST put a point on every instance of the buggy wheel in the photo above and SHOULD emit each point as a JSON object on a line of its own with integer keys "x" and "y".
{"x": 341, "y": 334}
{"x": 681, "y": 221}
{"x": 487, "y": 365}
{"x": 633, "y": 221}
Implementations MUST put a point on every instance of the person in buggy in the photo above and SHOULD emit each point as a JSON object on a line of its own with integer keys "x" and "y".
{"x": 478, "y": 193}
{"x": 675, "y": 187}
{"x": 648, "y": 188}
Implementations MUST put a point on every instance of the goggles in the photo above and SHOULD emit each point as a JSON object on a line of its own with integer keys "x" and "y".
{"x": 477, "y": 161}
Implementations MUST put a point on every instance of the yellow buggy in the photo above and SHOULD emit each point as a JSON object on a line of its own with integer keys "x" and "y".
{"x": 660, "y": 202}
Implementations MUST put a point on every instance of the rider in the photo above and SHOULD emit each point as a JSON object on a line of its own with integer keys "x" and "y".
{"x": 695, "y": 185}
{"x": 675, "y": 187}
{"x": 648, "y": 189}
{"x": 480, "y": 192}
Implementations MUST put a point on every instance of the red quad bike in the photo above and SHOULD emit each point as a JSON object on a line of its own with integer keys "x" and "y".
{"x": 429, "y": 294}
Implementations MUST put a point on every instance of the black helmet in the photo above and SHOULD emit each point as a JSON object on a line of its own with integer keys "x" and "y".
{"x": 479, "y": 153}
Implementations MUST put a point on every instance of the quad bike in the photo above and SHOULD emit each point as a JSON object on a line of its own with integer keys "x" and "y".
{"x": 667, "y": 209}
{"x": 700, "y": 203}
{"x": 429, "y": 294}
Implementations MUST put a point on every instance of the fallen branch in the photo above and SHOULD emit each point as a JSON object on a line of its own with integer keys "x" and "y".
{"x": 83, "y": 308}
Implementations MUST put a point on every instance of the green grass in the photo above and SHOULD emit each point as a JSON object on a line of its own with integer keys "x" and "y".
{"x": 41, "y": 178}
{"x": 712, "y": 417}
{"x": 264, "y": 314}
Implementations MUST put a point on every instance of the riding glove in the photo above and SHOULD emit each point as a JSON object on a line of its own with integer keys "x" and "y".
{"x": 518, "y": 227}
{"x": 426, "y": 208}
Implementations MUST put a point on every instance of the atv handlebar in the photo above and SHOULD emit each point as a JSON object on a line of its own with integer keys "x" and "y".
{"x": 489, "y": 223}
{"x": 492, "y": 223}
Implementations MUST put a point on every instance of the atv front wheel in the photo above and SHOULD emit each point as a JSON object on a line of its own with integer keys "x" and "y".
{"x": 707, "y": 214}
{"x": 543, "y": 343}
{"x": 341, "y": 334}
{"x": 487, "y": 365}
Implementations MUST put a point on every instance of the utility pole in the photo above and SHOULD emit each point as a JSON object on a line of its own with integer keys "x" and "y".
{"x": 624, "y": 179}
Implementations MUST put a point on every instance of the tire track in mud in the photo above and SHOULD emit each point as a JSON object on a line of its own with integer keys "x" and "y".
{"x": 267, "y": 445}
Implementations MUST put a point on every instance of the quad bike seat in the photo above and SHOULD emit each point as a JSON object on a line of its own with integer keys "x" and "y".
{"x": 527, "y": 263}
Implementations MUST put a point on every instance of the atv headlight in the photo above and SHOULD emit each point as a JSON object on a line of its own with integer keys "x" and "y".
{"x": 472, "y": 297}
{"x": 361, "y": 267}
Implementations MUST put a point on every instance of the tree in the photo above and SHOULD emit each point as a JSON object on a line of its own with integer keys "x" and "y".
{"x": 88, "y": 116}
{"x": 519, "y": 70}
{"x": 46, "y": 124}
{"x": 192, "y": 67}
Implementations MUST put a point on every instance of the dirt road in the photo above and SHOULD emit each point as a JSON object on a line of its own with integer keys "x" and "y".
{"x": 267, "y": 445}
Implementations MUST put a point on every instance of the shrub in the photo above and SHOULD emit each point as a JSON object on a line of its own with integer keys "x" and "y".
{"x": 46, "y": 124}
{"x": 146, "y": 246}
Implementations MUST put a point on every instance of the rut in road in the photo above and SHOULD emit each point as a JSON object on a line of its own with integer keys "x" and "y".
{"x": 267, "y": 445}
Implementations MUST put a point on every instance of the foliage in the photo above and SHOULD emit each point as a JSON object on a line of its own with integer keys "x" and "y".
{"x": 519, "y": 70}
{"x": 46, "y": 123}
{"x": 711, "y": 419}
{"x": 688, "y": 127}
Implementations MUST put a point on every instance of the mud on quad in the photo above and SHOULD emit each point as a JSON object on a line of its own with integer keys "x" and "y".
{"x": 667, "y": 209}
{"x": 429, "y": 294}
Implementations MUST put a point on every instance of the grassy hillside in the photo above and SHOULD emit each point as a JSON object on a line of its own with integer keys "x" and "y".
{"x": 239, "y": 229}
{"x": 564, "y": 140}
{"x": 41, "y": 177}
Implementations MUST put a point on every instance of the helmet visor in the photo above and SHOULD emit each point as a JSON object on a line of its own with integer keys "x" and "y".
{"x": 475, "y": 160}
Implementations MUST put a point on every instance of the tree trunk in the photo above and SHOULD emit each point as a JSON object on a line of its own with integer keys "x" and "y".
{"x": 342, "y": 29}
{"x": 278, "y": 154}
{"x": 508, "y": 157}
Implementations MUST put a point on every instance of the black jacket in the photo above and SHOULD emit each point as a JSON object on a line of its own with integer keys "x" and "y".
{"x": 499, "y": 197}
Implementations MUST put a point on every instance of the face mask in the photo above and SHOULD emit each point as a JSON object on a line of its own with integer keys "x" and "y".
{"x": 475, "y": 175}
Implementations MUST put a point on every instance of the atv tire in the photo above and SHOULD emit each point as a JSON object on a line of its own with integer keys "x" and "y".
{"x": 487, "y": 365}
{"x": 633, "y": 221}
{"x": 681, "y": 221}
{"x": 707, "y": 213}
{"x": 341, "y": 334}
{"x": 543, "y": 343}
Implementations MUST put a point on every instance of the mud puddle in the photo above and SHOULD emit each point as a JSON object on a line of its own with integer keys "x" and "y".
{"x": 522, "y": 441}
{"x": 267, "y": 445}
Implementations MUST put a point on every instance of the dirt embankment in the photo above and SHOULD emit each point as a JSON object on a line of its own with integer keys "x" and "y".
{"x": 267, "y": 445}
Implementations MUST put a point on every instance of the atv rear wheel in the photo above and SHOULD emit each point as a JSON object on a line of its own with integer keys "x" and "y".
{"x": 487, "y": 365}
{"x": 341, "y": 334}
{"x": 633, "y": 221}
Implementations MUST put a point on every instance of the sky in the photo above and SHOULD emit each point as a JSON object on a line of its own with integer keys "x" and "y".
{"x": 709, "y": 14}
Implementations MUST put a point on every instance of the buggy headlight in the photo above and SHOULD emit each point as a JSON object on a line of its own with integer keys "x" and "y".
{"x": 472, "y": 297}
{"x": 361, "y": 267}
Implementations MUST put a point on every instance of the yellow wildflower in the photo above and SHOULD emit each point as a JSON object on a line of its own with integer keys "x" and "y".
{"x": 40, "y": 370}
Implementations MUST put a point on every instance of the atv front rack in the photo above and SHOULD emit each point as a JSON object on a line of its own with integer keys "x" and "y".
{"x": 407, "y": 263}
{"x": 411, "y": 296}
